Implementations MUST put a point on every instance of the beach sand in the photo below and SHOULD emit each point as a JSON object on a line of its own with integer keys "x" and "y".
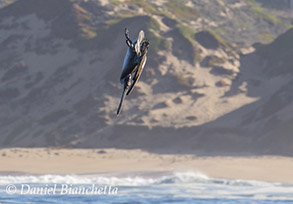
{"x": 85, "y": 161}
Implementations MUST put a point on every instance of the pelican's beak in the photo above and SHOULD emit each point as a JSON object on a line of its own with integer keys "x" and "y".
{"x": 125, "y": 89}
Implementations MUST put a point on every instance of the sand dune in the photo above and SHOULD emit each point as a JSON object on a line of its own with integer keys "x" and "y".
{"x": 80, "y": 161}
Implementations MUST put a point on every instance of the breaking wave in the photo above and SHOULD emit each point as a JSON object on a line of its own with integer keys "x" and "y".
{"x": 135, "y": 179}
{"x": 143, "y": 185}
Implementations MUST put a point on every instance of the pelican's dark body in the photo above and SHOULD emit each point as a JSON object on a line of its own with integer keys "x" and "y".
{"x": 134, "y": 62}
{"x": 129, "y": 64}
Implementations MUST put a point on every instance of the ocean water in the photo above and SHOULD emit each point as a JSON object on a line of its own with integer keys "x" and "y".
{"x": 140, "y": 188}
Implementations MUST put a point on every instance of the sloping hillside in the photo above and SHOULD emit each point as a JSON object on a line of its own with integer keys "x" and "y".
{"x": 204, "y": 88}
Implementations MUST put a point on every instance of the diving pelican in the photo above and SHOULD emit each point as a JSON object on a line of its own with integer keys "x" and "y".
{"x": 133, "y": 64}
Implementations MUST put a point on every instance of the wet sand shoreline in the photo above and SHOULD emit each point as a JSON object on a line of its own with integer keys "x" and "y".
{"x": 15, "y": 161}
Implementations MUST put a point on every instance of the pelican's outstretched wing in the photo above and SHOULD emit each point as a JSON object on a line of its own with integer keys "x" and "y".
{"x": 140, "y": 66}
{"x": 138, "y": 42}
{"x": 137, "y": 73}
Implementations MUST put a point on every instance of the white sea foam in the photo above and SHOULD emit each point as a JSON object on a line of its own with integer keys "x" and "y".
{"x": 179, "y": 184}
{"x": 141, "y": 179}
{"x": 130, "y": 179}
